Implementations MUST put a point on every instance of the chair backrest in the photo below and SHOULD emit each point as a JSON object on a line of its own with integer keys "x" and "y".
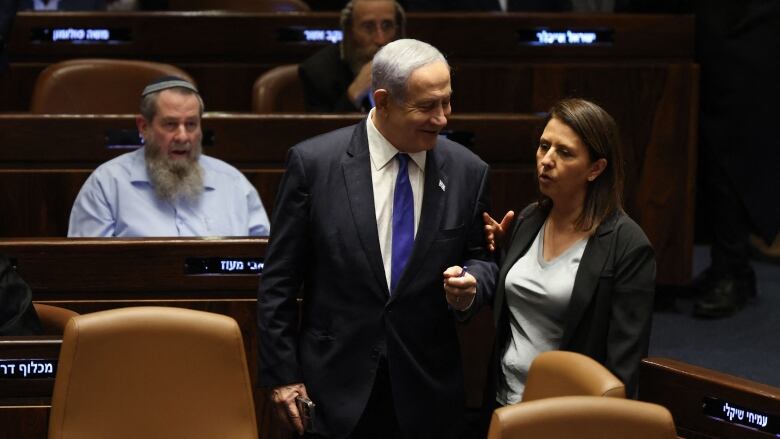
{"x": 96, "y": 86}
{"x": 147, "y": 372}
{"x": 563, "y": 373}
{"x": 239, "y": 5}
{"x": 278, "y": 91}
{"x": 53, "y": 318}
{"x": 582, "y": 417}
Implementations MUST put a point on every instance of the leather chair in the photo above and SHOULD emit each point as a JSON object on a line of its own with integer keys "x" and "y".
{"x": 53, "y": 318}
{"x": 563, "y": 373}
{"x": 582, "y": 417}
{"x": 152, "y": 372}
{"x": 239, "y": 5}
{"x": 96, "y": 86}
{"x": 278, "y": 91}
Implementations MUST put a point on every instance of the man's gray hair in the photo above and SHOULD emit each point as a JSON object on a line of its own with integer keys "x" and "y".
{"x": 395, "y": 63}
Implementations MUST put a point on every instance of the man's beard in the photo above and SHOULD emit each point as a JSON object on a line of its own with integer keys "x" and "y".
{"x": 174, "y": 179}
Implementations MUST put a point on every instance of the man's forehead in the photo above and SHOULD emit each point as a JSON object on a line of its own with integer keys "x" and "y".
{"x": 369, "y": 9}
{"x": 172, "y": 102}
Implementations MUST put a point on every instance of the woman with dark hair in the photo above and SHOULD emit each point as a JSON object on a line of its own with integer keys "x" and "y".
{"x": 577, "y": 273}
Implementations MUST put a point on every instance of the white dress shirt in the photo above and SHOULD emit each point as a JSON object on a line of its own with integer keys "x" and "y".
{"x": 384, "y": 170}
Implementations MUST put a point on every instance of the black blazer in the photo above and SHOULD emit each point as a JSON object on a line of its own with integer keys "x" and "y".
{"x": 325, "y": 79}
{"x": 324, "y": 237}
{"x": 611, "y": 307}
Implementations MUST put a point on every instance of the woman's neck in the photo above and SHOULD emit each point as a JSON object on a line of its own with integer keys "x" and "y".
{"x": 563, "y": 216}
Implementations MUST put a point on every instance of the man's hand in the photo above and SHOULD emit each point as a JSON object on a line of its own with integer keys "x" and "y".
{"x": 460, "y": 287}
{"x": 495, "y": 233}
{"x": 283, "y": 398}
{"x": 360, "y": 86}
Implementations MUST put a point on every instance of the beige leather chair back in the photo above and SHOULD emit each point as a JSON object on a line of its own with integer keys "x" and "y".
{"x": 53, "y": 318}
{"x": 152, "y": 372}
{"x": 96, "y": 86}
{"x": 563, "y": 373}
{"x": 278, "y": 91}
{"x": 582, "y": 417}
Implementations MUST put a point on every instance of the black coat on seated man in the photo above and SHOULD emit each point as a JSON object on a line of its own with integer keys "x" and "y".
{"x": 325, "y": 78}
{"x": 17, "y": 315}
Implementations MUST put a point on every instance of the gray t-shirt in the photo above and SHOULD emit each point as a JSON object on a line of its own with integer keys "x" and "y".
{"x": 537, "y": 295}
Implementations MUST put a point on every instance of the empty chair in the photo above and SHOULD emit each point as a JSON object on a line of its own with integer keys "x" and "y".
{"x": 582, "y": 417}
{"x": 278, "y": 91}
{"x": 239, "y": 5}
{"x": 152, "y": 372}
{"x": 563, "y": 373}
{"x": 96, "y": 86}
{"x": 53, "y": 318}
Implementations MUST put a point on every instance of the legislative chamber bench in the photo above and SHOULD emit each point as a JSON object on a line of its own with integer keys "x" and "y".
{"x": 218, "y": 275}
{"x": 44, "y": 160}
{"x": 513, "y": 62}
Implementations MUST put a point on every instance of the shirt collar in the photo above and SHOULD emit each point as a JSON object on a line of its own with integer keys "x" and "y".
{"x": 382, "y": 151}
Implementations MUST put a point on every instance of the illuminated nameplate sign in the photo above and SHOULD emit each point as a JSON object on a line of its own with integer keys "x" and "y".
{"x": 742, "y": 416}
{"x": 80, "y": 35}
{"x": 27, "y": 369}
{"x": 217, "y": 266}
{"x": 565, "y": 37}
{"x": 309, "y": 36}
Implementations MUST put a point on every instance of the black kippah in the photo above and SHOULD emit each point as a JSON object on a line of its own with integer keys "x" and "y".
{"x": 167, "y": 82}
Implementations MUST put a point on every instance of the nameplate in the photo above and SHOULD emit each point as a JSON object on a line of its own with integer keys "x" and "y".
{"x": 742, "y": 416}
{"x": 565, "y": 37}
{"x": 80, "y": 35}
{"x": 223, "y": 266}
{"x": 306, "y": 35}
{"x": 27, "y": 368}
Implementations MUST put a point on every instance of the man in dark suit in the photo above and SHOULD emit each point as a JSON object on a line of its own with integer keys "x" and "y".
{"x": 338, "y": 77}
{"x": 377, "y": 221}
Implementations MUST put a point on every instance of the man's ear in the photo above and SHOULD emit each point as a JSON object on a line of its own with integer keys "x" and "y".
{"x": 381, "y": 100}
{"x": 141, "y": 124}
{"x": 597, "y": 168}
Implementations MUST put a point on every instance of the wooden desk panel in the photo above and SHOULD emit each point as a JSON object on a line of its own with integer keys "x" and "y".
{"x": 89, "y": 275}
{"x": 254, "y": 37}
{"x": 39, "y": 178}
{"x": 226, "y": 52}
{"x": 682, "y": 388}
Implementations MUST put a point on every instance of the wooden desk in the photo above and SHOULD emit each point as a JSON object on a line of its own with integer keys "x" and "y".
{"x": 89, "y": 275}
{"x": 39, "y": 177}
{"x": 493, "y": 70}
{"x": 686, "y": 390}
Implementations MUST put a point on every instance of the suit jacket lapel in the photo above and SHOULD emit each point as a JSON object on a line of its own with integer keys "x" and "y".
{"x": 591, "y": 267}
{"x": 356, "y": 166}
{"x": 430, "y": 215}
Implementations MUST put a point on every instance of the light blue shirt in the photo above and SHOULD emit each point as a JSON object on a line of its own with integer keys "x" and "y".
{"x": 118, "y": 200}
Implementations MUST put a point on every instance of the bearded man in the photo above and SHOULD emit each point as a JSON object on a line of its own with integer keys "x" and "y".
{"x": 168, "y": 187}
{"x": 338, "y": 77}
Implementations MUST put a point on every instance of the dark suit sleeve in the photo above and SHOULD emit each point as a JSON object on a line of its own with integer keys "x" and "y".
{"x": 277, "y": 309}
{"x": 632, "y": 309}
{"x": 479, "y": 260}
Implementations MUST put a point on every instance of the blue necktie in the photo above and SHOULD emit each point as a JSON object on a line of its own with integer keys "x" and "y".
{"x": 403, "y": 221}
